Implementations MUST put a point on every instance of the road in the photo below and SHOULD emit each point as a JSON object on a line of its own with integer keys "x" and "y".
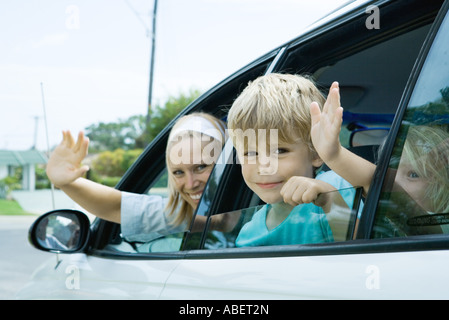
{"x": 18, "y": 259}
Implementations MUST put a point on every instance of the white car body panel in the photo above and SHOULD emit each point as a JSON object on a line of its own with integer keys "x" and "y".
{"x": 87, "y": 277}
{"x": 412, "y": 275}
{"x": 359, "y": 276}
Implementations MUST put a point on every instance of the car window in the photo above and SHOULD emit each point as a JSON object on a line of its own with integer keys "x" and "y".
{"x": 160, "y": 186}
{"x": 149, "y": 174}
{"x": 415, "y": 194}
{"x": 334, "y": 219}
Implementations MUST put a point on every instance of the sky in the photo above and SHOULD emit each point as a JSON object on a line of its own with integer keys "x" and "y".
{"x": 69, "y": 64}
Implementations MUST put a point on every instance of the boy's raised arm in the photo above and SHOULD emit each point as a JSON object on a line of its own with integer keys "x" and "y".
{"x": 65, "y": 171}
{"x": 326, "y": 126}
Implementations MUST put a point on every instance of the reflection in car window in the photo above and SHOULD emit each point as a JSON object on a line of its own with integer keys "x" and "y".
{"x": 247, "y": 227}
{"x": 160, "y": 187}
{"x": 415, "y": 195}
{"x": 167, "y": 243}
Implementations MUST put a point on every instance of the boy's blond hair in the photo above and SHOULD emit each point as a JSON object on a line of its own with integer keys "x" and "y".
{"x": 276, "y": 101}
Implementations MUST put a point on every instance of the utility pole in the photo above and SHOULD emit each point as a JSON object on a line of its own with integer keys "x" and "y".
{"x": 153, "y": 46}
{"x": 36, "y": 122}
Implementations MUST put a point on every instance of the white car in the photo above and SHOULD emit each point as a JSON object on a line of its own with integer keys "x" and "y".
{"x": 392, "y": 62}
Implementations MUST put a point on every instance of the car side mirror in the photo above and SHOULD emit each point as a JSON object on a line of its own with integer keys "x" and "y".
{"x": 62, "y": 231}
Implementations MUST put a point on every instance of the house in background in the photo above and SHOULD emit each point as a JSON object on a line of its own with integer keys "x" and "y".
{"x": 28, "y": 159}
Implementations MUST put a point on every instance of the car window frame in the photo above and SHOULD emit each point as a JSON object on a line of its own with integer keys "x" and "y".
{"x": 362, "y": 243}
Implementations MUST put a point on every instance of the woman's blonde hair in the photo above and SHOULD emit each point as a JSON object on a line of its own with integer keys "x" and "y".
{"x": 176, "y": 205}
{"x": 276, "y": 101}
{"x": 427, "y": 150}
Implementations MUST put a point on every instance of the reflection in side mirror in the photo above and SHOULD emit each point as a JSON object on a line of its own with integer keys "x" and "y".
{"x": 65, "y": 231}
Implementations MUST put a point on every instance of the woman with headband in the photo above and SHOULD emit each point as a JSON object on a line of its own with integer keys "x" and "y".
{"x": 193, "y": 147}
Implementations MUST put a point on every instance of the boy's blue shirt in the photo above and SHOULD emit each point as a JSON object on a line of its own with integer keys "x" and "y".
{"x": 306, "y": 223}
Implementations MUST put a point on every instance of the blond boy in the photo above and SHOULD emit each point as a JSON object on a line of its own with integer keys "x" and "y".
{"x": 282, "y": 170}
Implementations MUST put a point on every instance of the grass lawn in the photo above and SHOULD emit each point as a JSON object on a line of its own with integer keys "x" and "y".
{"x": 11, "y": 207}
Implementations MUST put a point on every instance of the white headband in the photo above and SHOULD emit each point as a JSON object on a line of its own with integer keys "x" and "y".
{"x": 198, "y": 124}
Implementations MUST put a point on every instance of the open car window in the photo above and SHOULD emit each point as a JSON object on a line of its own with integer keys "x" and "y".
{"x": 333, "y": 220}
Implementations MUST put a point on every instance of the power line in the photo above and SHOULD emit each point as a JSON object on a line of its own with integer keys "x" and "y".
{"x": 138, "y": 17}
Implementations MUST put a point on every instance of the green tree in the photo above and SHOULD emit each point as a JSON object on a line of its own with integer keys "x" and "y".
{"x": 109, "y": 166}
{"x": 161, "y": 116}
{"x": 114, "y": 135}
{"x": 131, "y": 133}
{"x": 109, "y": 163}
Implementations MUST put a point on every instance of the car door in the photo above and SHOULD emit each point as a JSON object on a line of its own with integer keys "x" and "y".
{"x": 394, "y": 254}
